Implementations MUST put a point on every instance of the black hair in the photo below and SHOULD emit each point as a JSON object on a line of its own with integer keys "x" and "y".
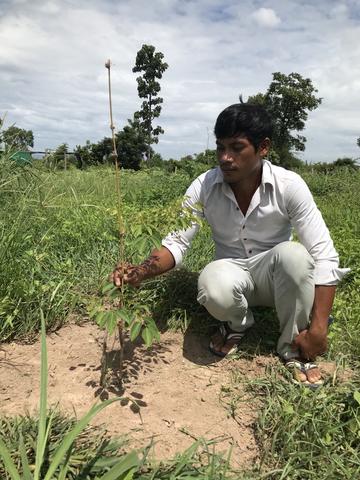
{"x": 251, "y": 121}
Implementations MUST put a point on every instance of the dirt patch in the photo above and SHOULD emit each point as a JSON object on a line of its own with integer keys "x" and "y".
{"x": 177, "y": 384}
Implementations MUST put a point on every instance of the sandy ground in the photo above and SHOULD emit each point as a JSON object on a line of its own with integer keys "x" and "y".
{"x": 177, "y": 386}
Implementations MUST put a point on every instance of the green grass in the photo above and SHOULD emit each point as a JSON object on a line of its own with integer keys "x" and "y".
{"x": 302, "y": 434}
{"x": 59, "y": 240}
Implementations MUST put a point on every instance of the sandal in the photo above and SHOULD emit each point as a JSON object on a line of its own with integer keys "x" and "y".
{"x": 296, "y": 367}
{"x": 310, "y": 366}
{"x": 229, "y": 338}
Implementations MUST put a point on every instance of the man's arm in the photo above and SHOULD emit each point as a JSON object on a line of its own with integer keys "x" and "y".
{"x": 160, "y": 261}
{"x": 314, "y": 235}
{"x": 313, "y": 342}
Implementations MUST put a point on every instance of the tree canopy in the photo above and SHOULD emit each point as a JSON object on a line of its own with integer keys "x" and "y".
{"x": 288, "y": 99}
{"x": 151, "y": 65}
{"x": 17, "y": 138}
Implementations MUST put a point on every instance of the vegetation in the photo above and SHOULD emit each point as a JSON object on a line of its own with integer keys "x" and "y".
{"x": 153, "y": 67}
{"x": 16, "y": 138}
{"x": 59, "y": 241}
{"x": 288, "y": 99}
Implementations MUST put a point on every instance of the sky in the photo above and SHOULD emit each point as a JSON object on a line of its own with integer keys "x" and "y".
{"x": 54, "y": 82}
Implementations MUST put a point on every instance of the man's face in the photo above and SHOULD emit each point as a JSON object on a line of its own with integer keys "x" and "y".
{"x": 238, "y": 158}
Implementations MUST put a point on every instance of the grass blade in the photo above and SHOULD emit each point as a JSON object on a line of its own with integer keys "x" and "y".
{"x": 41, "y": 439}
{"x": 70, "y": 437}
{"x": 24, "y": 460}
{"x": 129, "y": 462}
{"x": 9, "y": 464}
{"x": 184, "y": 459}
{"x": 65, "y": 467}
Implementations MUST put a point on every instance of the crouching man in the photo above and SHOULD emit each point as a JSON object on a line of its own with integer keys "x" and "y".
{"x": 252, "y": 207}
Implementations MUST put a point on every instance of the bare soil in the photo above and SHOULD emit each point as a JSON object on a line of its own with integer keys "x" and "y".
{"x": 178, "y": 386}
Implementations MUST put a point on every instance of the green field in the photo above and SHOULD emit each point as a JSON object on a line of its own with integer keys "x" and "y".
{"x": 59, "y": 241}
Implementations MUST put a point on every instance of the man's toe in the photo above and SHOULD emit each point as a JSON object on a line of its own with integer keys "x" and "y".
{"x": 313, "y": 373}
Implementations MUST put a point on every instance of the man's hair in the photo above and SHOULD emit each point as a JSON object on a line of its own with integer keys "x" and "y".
{"x": 251, "y": 121}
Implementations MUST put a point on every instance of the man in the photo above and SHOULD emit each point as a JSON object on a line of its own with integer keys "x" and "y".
{"x": 252, "y": 207}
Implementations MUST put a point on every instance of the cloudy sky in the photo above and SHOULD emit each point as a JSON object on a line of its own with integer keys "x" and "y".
{"x": 53, "y": 80}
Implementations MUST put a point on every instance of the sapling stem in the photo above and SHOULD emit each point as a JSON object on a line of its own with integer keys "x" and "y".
{"x": 115, "y": 157}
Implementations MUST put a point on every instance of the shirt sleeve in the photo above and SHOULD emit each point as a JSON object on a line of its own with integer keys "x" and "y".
{"x": 313, "y": 233}
{"x": 178, "y": 242}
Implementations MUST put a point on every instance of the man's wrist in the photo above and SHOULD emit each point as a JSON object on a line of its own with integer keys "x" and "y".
{"x": 319, "y": 324}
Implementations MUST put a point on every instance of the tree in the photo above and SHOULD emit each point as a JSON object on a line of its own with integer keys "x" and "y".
{"x": 347, "y": 162}
{"x": 17, "y": 138}
{"x": 358, "y": 142}
{"x": 288, "y": 99}
{"x": 131, "y": 145}
{"x": 153, "y": 67}
{"x": 61, "y": 158}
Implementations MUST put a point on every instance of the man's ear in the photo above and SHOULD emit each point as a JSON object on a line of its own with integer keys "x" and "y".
{"x": 264, "y": 147}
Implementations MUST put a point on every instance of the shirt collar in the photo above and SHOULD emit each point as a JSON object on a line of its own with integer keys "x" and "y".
{"x": 267, "y": 174}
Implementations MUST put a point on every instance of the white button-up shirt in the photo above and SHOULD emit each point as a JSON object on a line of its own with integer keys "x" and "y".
{"x": 282, "y": 202}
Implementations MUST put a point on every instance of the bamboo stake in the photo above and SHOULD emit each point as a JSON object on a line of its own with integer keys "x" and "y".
{"x": 115, "y": 157}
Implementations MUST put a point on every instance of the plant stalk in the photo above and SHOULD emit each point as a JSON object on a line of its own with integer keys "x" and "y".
{"x": 119, "y": 217}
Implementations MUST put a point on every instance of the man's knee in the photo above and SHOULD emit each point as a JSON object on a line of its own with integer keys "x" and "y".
{"x": 214, "y": 283}
{"x": 293, "y": 260}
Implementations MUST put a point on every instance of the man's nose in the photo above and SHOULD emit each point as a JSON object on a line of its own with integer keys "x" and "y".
{"x": 225, "y": 157}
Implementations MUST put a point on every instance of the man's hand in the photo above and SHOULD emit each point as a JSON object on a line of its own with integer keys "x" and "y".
{"x": 311, "y": 343}
{"x": 127, "y": 273}
{"x": 160, "y": 261}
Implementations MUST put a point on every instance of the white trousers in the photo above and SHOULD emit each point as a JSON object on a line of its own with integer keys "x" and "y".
{"x": 282, "y": 277}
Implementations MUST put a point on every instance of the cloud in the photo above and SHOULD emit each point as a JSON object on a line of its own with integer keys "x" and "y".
{"x": 53, "y": 79}
{"x": 266, "y": 17}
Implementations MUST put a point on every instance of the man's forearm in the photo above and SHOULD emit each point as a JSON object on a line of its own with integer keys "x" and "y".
{"x": 323, "y": 302}
{"x": 160, "y": 261}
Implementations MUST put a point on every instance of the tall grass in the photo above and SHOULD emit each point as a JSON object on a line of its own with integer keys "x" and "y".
{"x": 58, "y": 241}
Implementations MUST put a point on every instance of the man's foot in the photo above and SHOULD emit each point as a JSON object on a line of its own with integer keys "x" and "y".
{"x": 225, "y": 341}
{"x": 304, "y": 373}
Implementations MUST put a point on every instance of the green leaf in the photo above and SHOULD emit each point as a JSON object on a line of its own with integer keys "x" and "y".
{"x": 125, "y": 315}
{"x": 135, "y": 329}
{"x": 151, "y": 325}
{"x": 101, "y": 319}
{"x": 327, "y": 439}
{"x": 357, "y": 396}
{"x": 111, "y": 322}
{"x": 129, "y": 462}
{"x": 288, "y": 409}
{"x": 147, "y": 336}
{"x": 142, "y": 245}
{"x": 136, "y": 229}
{"x": 8, "y": 463}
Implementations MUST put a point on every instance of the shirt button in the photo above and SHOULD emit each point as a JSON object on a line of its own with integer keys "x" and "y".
{"x": 250, "y": 251}
{"x": 243, "y": 227}
{"x": 245, "y": 239}
{"x": 237, "y": 208}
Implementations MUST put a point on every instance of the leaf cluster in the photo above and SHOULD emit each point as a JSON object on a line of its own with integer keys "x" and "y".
{"x": 288, "y": 100}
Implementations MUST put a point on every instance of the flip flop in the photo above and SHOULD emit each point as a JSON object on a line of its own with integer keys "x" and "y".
{"x": 295, "y": 367}
{"x": 310, "y": 366}
{"x": 229, "y": 336}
